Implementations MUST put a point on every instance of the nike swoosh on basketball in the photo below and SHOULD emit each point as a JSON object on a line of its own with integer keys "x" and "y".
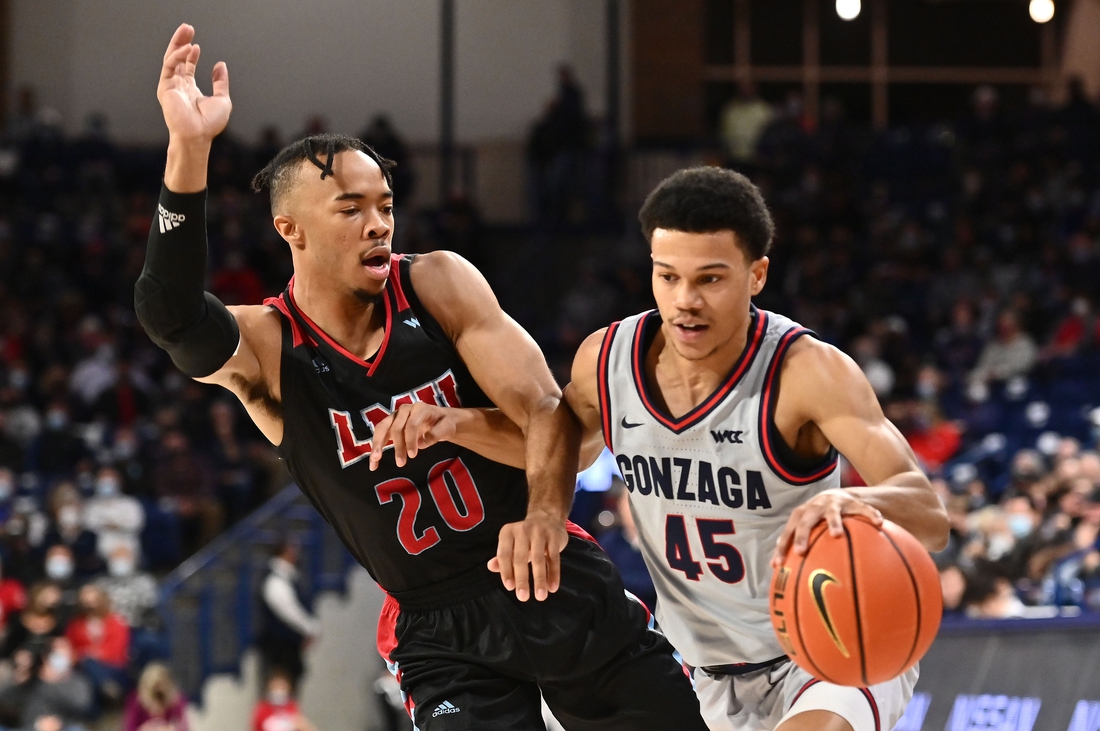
{"x": 818, "y": 580}
{"x": 627, "y": 425}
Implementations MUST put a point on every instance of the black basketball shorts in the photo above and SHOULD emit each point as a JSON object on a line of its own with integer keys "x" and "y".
{"x": 469, "y": 655}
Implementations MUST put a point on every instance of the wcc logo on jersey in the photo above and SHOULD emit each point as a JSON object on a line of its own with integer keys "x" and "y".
{"x": 993, "y": 713}
{"x": 726, "y": 436}
{"x": 443, "y": 391}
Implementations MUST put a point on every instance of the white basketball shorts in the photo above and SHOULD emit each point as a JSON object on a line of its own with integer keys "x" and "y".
{"x": 765, "y": 698}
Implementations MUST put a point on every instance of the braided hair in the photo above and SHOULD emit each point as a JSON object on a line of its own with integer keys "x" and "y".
{"x": 278, "y": 175}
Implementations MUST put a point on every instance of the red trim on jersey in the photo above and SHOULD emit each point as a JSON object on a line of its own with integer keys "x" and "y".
{"x": 575, "y": 530}
{"x": 280, "y": 304}
{"x": 874, "y": 707}
{"x": 387, "y": 643}
{"x": 387, "y": 627}
{"x": 395, "y": 277}
{"x": 604, "y": 385}
{"x": 809, "y": 684}
{"x": 766, "y": 395}
{"x": 748, "y": 355}
{"x": 373, "y": 364}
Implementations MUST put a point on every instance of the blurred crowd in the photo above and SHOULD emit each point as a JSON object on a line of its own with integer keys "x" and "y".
{"x": 957, "y": 261}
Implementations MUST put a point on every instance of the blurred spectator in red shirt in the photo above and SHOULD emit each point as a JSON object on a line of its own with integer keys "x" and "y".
{"x": 126, "y": 399}
{"x": 933, "y": 439}
{"x": 13, "y": 598}
{"x": 278, "y": 710}
{"x": 236, "y": 283}
{"x": 101, "y": 643}
{"x": 1071, "y": 333}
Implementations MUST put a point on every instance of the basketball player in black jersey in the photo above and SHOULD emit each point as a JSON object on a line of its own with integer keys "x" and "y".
{"x": 357, "y": 333}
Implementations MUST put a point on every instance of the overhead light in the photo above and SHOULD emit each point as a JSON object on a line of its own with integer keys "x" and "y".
{"x": 1041, "y": 10}
{"x": 849, "y": 9}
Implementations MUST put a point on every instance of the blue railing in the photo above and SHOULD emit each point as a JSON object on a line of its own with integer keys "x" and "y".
{"x": 210, "y": 602}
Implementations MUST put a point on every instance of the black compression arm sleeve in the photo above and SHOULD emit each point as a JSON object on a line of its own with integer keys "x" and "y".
{"x": 190, "y": 324}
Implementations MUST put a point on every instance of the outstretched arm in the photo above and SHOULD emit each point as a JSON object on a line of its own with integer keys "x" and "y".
{"x": 416, "y": 426}
{"x": 192, "y": 326}
{"x": 489, "y": 432}
{"x": 509, "y": 367}
{"x": 206, "y": 340}
{"x": 822, "y": 387}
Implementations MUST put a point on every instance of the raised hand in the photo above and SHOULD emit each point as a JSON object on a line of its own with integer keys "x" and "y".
{"x": 191, "y": 116}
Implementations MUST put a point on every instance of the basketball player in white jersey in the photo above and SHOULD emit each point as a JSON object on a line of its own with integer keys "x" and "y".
{"x": 726, "y": 422}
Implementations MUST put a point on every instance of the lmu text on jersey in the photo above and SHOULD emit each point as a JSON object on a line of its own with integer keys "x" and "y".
{"x": 680, "y": 478}
{"x": 442, "y": 391}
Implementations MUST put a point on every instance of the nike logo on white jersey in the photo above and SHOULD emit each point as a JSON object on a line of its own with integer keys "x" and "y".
{"x": 445, "y": 707}
{"x": 168, "y": 220}
{"x": 412, "y": 322}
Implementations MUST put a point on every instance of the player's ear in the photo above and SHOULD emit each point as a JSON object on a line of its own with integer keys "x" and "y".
{"x": 758, "y": 274}
{"x": 289, "y": 229}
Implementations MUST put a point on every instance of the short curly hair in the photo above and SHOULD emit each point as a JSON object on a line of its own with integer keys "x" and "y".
{"x": 278, "y": 175}
{"x": 710, "y": 199}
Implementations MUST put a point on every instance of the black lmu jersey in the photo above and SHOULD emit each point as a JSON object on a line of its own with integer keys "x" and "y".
{"x": 431, "y": 520}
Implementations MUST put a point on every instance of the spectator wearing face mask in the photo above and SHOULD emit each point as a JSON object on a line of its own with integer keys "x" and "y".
{"x": 131, "y": 461}
{"x": 67, "y": 511}
{"x": 133, "y": 593}
{"x": 133, "y": 596}
{"x": 22, "y": 560}
{"x": 101, "y": 643}
{"x": 115, "y": 518}
{"x": 56, "y": 450}
{"x": 62, "y": 699}
{"x": 278, "y": 710}
{"x": 156, "y": 705}
{"x": 60, "y": 570}
{"x": 38, "y": 624}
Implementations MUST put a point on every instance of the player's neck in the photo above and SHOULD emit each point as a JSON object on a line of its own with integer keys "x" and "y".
{"x": 355, "y": 324}
{"x": 685, "y": 383}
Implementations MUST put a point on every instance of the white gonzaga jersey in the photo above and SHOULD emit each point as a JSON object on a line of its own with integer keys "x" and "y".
{"x": 710, "y": 491}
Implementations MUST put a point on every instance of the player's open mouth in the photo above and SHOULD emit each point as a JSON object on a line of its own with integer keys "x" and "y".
{"x": 377, "y": 264}
{"x": 690, "y": 331}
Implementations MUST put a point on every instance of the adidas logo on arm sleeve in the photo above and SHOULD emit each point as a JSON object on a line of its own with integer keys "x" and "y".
{"x": 168, "y": 220}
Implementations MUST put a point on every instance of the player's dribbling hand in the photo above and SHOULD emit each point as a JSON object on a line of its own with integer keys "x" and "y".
{"x": 188, "y": 113}
{"x": 830, "y": 506}
{"x": 536, "y": 542}
{"x": 411, "y": 427}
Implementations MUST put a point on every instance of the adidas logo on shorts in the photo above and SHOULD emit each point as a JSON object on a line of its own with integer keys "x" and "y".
{"x": 168, "y": 220}
{"x": 445, "y": 707}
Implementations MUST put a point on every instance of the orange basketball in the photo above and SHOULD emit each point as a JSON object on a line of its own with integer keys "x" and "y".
{"x": 858, "y": 609}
